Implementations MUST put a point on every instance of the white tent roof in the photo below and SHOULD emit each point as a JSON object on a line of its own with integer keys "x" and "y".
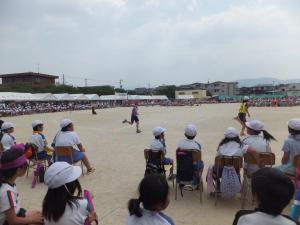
{"x": 93, "y": 97}
{"x": 44, "y": 97}
{"x": 14, "y": 96}
{"x": 159, "y": 97}
{"x": 183, "y": 97}
{"x": 79, "y": 97}
{"x": 64, "y": 97}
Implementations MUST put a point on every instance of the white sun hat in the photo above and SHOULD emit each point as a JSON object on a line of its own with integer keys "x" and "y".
{"x": 191, "y": 130}
{"x": 61, "y": 173}
{"x": 7, "y": 125}
{"x": 231, "y": 132}
{"x": 255, "y": 125}
{"x": 158, "y": 131}
{"x": 65, "y": 122}
{"x": 36, "y": 122}
{"x": 294, "y": 124}
{"x": 246, "y": 98}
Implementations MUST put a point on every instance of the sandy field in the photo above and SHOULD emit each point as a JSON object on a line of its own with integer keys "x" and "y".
{"x": 116, "y": 152}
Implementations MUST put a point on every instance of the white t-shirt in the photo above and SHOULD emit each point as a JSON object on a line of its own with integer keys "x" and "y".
{"x": 232, "y": 148}
{"x": 9, "y": 198}
{"x": 7, "y": 141}
{"x": 157, "y": 145}
{"x": 259, "y": 144}
{"x": 260, "y": 218}
{"x": 187, "y": 144}
{"x": 148, "y": 218}
{"x": 38, "y": 141}
{"x": 73, "y": 216}
{"x": 67, "y": 138}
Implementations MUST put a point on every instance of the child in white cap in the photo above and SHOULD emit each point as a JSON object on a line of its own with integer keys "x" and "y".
{"x": 7, "y": 140}
{"x": 39, "y": 139}
{"x": 159, "y": 144}
{"x": 63, "y": 203}
{"x": 291, "y": 147}
{"x": 68, "y": 137}
{"x": 257, "y": 142}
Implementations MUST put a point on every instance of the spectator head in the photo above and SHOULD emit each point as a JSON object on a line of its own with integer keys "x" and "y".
{"x": 153, "y": 194}
{"x": 294, "y": 126}
{"x": 190, "y": 131}
{"x": 37, "y": 125}
{"x": 7, "y": 127}
{"x": 13, "y": 164}
{"x": 66, "y": 125}
{"x": 158, "y": 132}
{"x": 272, "y": 189}
{"x": 255, "y": 127}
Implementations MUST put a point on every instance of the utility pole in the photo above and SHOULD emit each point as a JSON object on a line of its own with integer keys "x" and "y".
{"x": 63, "y": 79}
{"x": 85, "y": 82}
{"x": 149, "y": 88}
{"x": 120, "y": 82}
{"x": 38, "y": 68}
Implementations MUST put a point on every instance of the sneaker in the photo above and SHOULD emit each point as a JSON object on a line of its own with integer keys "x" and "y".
{"x": 124, "y": 121}
{"x": 138, "y": 131}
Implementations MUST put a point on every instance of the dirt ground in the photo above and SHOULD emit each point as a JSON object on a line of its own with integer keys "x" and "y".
{"x": 116, "y": 152}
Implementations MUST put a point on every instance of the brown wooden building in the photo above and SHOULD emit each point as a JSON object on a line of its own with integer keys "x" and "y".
{"x": 29, "y": 79}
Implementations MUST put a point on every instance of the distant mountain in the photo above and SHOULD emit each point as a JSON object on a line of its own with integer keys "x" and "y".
{"x": 264, "y": 80}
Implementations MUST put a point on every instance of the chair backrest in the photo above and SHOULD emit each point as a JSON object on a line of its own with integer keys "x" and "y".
{"x": 64, "y": 151}
{"x": 296, "y": 161}
{"x": 184, "y": 162}
{"x": 251, "y": 157}
{"x": 150, "y": 154}
{"x": 235, "y": 161}
{"x": 266, "y": 159}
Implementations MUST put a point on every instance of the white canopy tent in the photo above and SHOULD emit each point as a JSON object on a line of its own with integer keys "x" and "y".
{"x": 79, "y": 97}
{"x": 93, "y": 97}
{"x": 14, "y": 96}
{"x": 64, "y": 97}
{"x": 44, "y": 97}
{"x": 185, "y": 97}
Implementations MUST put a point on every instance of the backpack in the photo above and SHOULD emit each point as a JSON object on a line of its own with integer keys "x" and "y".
{"x": 230, "y": 182}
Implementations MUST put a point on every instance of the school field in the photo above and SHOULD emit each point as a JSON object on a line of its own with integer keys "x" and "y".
{"x": 116, "y": 152}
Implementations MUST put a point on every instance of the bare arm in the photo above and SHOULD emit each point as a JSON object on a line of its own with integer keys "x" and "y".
{"x": 33, "y": 218}
{"x": 81, "y": 148}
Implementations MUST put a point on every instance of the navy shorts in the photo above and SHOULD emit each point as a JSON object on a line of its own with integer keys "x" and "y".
{"x": 134, "y": 119}
{"x": 242, "y": 117}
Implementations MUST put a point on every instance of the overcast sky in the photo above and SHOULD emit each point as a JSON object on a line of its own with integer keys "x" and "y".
{"x": 151, "y": 41}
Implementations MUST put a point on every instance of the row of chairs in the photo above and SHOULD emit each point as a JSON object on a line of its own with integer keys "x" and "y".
{"x": 184, "y": 168}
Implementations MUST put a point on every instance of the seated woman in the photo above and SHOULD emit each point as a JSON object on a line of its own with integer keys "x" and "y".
{"x": 154, "y": 196}
{"x": 291, "y": 147}
{"x": 68, "y": 137}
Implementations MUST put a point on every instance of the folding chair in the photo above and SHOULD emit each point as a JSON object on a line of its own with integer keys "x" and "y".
{"x": 185, "y": 160}
{"x": 262, "y": 159}
{"x": 158, "y": 157}
{"x": 220, "y": 162}
{"x": 67, "y": 153}
{"x": 296, "y": 165}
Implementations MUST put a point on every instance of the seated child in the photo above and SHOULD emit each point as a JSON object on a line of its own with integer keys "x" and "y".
{"x": 14, "y": 165}
{"x": 63, "y": 203}
{"x": 154, "y": 196}
{"x": 273, "y": 191}
{"x": 291, "y": 147}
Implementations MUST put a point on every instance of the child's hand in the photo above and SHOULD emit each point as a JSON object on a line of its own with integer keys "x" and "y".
{"x": 36, "y": 217}
{"x": 93, "y": 217}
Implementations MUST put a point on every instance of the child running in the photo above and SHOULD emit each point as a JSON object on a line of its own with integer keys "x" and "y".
{"x": 63, "y": 203}
{"x": 134, "y": 118}
{"x": 154, "y": 196}
{"x": 273, "y": 191}
{"x": 13, "y": 166}
{"x": 241, "y": 118}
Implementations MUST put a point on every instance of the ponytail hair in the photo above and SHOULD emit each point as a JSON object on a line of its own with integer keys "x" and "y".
{"x": 268, "y": 136}
{"x": 134, "y": 207}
